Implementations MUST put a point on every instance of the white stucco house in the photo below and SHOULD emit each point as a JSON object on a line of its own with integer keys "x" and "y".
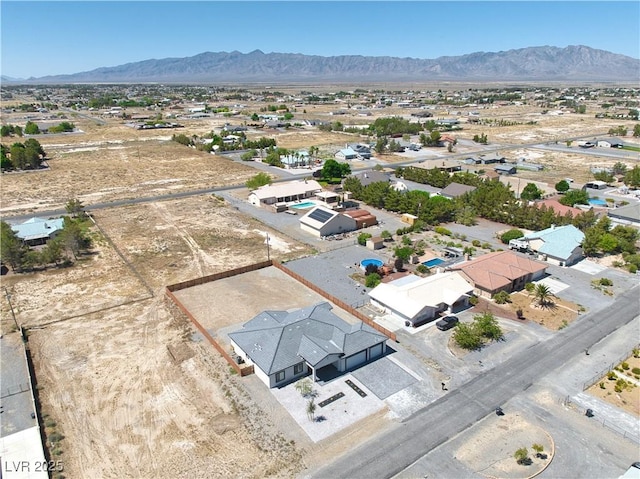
{"x": 283, "y": 346}
{"x": 321, "y": 221}
{"x": 412, "y": 300}
{"x": 284, "y": 192}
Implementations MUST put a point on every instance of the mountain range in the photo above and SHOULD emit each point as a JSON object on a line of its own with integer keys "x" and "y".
{"x": 545, "y": 63}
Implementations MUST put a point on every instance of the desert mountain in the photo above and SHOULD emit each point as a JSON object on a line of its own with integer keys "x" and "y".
{"x": 573, "y": 63}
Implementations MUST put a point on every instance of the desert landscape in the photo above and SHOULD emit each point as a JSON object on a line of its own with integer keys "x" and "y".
{"x": 125, "y": 377}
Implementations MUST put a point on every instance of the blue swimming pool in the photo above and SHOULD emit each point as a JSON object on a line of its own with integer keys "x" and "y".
{"x": 303, "y": 206}
{"x": 366, "y": 262}
{"x": 597, "y": 202}
{"x": 433, "y": 262}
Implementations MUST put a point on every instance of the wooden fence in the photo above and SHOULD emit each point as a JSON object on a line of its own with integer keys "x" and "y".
{"x": 338, "y": 302}
{"x": 246, "y": 370}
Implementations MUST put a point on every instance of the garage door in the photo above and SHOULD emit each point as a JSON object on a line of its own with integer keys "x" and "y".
{"x": 356, "y": 359}
{"x": 375, "y": 351}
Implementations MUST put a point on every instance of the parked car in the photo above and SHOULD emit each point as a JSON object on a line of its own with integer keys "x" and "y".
{"x": 447, "y": 322}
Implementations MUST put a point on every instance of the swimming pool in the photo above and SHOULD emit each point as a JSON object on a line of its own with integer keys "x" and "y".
{"x": 303, "y": 206}
{"x": 597, "y": 202}
{"x": 366, "y": 262}
{"x": 433, "y": 262}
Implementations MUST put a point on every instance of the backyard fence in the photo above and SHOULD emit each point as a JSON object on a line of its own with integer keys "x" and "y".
{"x": 603, "y": 372}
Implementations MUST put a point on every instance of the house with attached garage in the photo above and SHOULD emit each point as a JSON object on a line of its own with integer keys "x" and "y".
{"x": 500, "y": 271}
{"x": 560, "y": 245}
{"x": 283, "y": 193}
{"x": 284, "y": 346}
{"x": 347, "y": 154}
{"x": 412, "y": 300}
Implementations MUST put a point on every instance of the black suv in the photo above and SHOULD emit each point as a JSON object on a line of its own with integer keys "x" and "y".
{"x": 447, "y": 322}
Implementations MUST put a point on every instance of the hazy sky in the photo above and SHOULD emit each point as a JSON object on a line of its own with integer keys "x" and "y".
{"x": 61, "y": 37}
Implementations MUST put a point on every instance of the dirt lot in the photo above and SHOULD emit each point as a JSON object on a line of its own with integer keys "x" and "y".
{"x": 628, "y": 397}
{"x": 556, "y": 315}
{"x": 492, "y": 443}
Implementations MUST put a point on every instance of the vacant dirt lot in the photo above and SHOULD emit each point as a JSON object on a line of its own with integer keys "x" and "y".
{"x": 554, "y": 316}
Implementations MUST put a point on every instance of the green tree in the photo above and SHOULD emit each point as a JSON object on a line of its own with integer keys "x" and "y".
{"x": 636, "y": 130}
{"x": 511, "y": 234}
{"x": 31, "y": 128}
{"x": 465, "y": 337}
{"x": 18, "y": 156}
{"x": 619, "y": 168}
{"x": 487, "y": 326}
{"x": 73, "y": 237}
{"x": 531, "y": 192}
{"x": 334, "y": 169}
{"x": 255, "y": 182}
{"x": 605, "y": 176}
{"x": 562, "y": 186}
{"x": 631, "y": 178}
{"x": 573, "y": 197}
{"x": 12, "y": 250}
{"x": 75, "y": 208}
{"x": 543, "y": 295}
{"x": 362, "y": 238}
{"x": 52, "y": 252}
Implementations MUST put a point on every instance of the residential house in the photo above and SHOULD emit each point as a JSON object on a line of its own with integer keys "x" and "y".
{"x": 505, "y": 169}
{"x": 610, "y": 143}
{"x": 296, "y": 160}
{"x": 284, "y": 192}
{"x": 453, "y": 190}
{"x": 412, "y": 300}
{"x": 322, "y": 222}
{"x": 558, "y": 207}
{"x": 491, "y": 158}
{"x": 347, "y": 154}
{"x": 283, "y": 346}
{"x": 560, "y": 245}
{"x": 626, "y": 215}
{"x": 372, "y": 176}
{"x": 500, "y": 271}
{"x": 363, "y": 150}
{"x": 37, "y": 231}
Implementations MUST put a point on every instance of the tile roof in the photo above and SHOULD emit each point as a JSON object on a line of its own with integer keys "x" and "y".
{"x": 275, "y": 340}
{"x": 497, "y": 270}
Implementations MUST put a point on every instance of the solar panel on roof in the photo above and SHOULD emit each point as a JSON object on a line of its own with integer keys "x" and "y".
{"x": 320, "y": 215}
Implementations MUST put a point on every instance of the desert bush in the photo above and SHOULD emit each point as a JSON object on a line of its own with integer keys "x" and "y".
{"x": 502, "y": 297}
{"x": 625, "y": 365}
{"x": 476, "y": 243}
{"x": 635, "y": 370}
{"x": 442, "y": 231}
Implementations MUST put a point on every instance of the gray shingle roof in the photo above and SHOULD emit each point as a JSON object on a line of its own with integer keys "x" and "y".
{"x": 275, "y": 340}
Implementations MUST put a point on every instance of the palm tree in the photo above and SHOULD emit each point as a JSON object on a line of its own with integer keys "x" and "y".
{"x": 543, "y": 295}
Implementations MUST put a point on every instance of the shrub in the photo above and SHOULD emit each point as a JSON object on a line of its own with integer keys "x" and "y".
{"x": 635, "y": 370}
{"x": 611, "y": 376}
{"x": 476, "y": 243}
{"x": 605, "y": 282}
{"x": 511, "y": 234}
{"x": 502, "y": 297}
{"x": 529, "y": 287}
{"x": 473, "y": 300}
{"x": 422, "y": 269}
{"x": 372, "y": 280}
{"x": 465, "y": 337}
{"x": 486, "y": 245}
{"x": 522, "y": 456}
{"x": 633, "y": 269}
{"x": 625, "y": 366}
{"x": 363, "y": 237}
{"x": 442, "y": 231}
{"x": 602, "y": 386}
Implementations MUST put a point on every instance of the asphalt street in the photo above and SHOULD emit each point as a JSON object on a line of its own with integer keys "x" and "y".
{"x": 390, "y": 453}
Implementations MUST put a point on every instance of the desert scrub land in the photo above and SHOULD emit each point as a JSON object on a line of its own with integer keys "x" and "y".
{"x": 620, "y": 386}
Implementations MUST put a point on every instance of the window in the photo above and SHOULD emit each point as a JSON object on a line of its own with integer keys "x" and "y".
{"x": 279, "y": 376}
{"x": 298, "y": 368}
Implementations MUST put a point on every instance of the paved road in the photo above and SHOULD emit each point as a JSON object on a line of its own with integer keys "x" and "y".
{"x": 205, "y": 191}
{"x": 393, "y": 451}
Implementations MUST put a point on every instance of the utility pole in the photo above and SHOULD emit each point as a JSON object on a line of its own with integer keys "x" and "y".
{"x": 268, "y": 251}
{"x": 13, "y": 315}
